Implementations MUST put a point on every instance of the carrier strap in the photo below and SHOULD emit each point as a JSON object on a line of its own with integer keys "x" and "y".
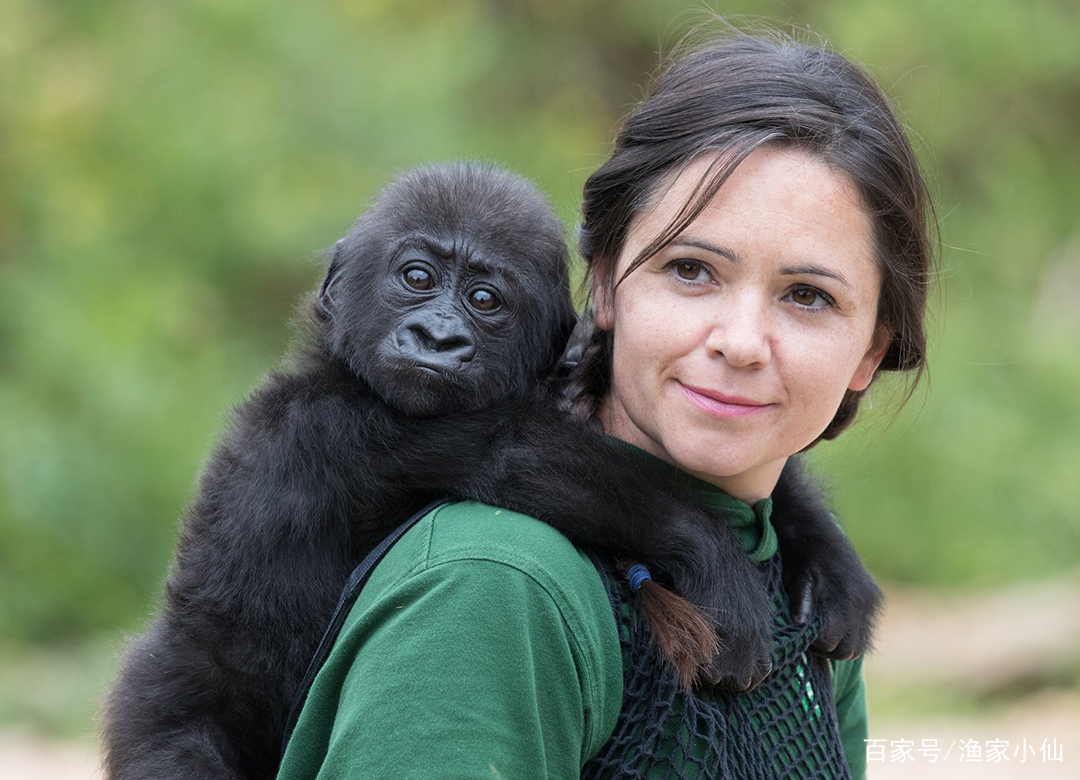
{"x": 352, "y": 589}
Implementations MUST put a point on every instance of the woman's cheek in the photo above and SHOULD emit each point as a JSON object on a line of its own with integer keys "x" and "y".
{"x": 651, "y": 331}
{"x": 808, "y": 384}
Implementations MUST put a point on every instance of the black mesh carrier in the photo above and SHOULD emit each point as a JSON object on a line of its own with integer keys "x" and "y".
{"x": 784, "y": 728}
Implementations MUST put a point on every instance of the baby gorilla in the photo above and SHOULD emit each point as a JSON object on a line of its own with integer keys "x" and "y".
{"x": 443, "y": 311}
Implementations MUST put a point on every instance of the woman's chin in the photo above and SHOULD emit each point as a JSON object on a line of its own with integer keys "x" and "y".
{"x": 730, "y": 469}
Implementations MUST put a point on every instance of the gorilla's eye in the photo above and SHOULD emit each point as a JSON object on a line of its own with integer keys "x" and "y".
{"x": 483, "y": 299}
{"x": 418, "y": 278}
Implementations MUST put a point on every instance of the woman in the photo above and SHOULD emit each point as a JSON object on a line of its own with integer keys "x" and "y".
{"x": 758, "y": 251}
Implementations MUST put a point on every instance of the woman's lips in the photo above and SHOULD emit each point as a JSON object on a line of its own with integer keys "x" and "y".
{"x": 720, "y": 404}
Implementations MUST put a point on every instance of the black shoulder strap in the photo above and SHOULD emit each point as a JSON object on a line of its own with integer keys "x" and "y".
{"x": 352, "y": 589}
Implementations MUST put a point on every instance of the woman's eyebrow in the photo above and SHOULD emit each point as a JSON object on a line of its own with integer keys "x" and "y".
{"x": 814, "y": 270}
{"x": 723, "y": 251}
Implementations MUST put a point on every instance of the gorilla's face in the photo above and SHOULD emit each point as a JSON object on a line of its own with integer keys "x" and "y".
{"x": 451, "y": 292}
{"x": 446, "y": 330}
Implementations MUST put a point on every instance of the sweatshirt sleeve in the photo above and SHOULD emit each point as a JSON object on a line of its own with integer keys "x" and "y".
{"x": 477, "y": 662}
{"x": 849, "y": 689}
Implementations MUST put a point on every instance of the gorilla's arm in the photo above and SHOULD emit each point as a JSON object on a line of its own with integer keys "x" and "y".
{"x": 531, "y": 458}
{"x": 822, "y": 571}
{"x": 527, "y": 456}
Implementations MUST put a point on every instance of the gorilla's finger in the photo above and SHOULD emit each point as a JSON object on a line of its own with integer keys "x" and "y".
{"x": 826, "y": 643}
{"x": 804, "y": 599}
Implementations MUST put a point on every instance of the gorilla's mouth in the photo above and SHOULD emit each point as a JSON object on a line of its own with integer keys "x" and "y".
{"x": 421, "y": 371}
{"x": 424, "y": 369}
{"x": 422, "y": 374}
{"x": 420, "y": 388}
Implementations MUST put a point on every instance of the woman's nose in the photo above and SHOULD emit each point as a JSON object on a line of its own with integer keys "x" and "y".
{"x": 741, "y": 333}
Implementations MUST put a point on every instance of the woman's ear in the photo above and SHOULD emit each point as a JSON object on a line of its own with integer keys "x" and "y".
{"x": 603, "y": 296}
{"x": 864, "y": 374}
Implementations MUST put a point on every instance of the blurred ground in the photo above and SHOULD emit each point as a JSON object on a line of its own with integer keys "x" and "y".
{"x": 24, "y": 756}
{"x": 991, "y": 665}
{"x": 1042, "y": 716}
{"x": 999, "y": 666}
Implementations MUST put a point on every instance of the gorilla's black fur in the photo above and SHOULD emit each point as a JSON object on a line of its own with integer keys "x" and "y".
{"x": 443, "y": 310}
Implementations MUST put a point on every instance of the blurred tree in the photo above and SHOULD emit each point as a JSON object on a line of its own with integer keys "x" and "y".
{"x": 170, "y": 172}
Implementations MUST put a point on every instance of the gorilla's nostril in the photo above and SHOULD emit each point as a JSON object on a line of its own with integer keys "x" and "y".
{"x": 442, "y": 340}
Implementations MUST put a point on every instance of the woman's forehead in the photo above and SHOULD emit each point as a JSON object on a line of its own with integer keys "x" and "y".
{"x": 777, "y": 196}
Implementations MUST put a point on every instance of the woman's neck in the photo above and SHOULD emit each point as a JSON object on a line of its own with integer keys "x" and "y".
{"x": 751, "y": 488}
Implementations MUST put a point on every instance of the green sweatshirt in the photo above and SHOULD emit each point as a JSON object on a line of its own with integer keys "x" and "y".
{"x": 484, "y": 646}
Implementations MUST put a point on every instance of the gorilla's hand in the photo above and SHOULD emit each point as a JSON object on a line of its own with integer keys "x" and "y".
{"x": 823, "y": 574}
{"x": 706, "y": 564}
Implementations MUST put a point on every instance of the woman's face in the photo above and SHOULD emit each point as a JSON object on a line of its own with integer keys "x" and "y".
{"x": 734, "y": 345}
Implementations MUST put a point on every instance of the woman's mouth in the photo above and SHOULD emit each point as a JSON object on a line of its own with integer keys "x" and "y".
{"x": 720, "y": 404}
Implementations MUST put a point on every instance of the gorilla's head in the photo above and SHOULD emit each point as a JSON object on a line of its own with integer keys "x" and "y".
{"x": 451, "y": 292}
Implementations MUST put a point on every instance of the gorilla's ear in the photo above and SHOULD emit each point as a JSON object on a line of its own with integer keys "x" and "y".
{"x": 570, "y": 320}
{"x": 333, "y": 276}
{"x": 566, "y": 327}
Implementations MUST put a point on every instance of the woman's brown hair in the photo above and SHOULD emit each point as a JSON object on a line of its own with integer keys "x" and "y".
{"x": 727, "y": 97}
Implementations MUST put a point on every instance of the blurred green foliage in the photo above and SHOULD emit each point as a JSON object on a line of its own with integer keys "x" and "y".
{"x": 170, "y": 171}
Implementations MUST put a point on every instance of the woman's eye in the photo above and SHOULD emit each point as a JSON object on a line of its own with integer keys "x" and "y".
{"x": 483, "y": 299}
{"x": 690, "y": 270}
{"x": 810, "y": 298}
{"x": 418, "y": 279}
